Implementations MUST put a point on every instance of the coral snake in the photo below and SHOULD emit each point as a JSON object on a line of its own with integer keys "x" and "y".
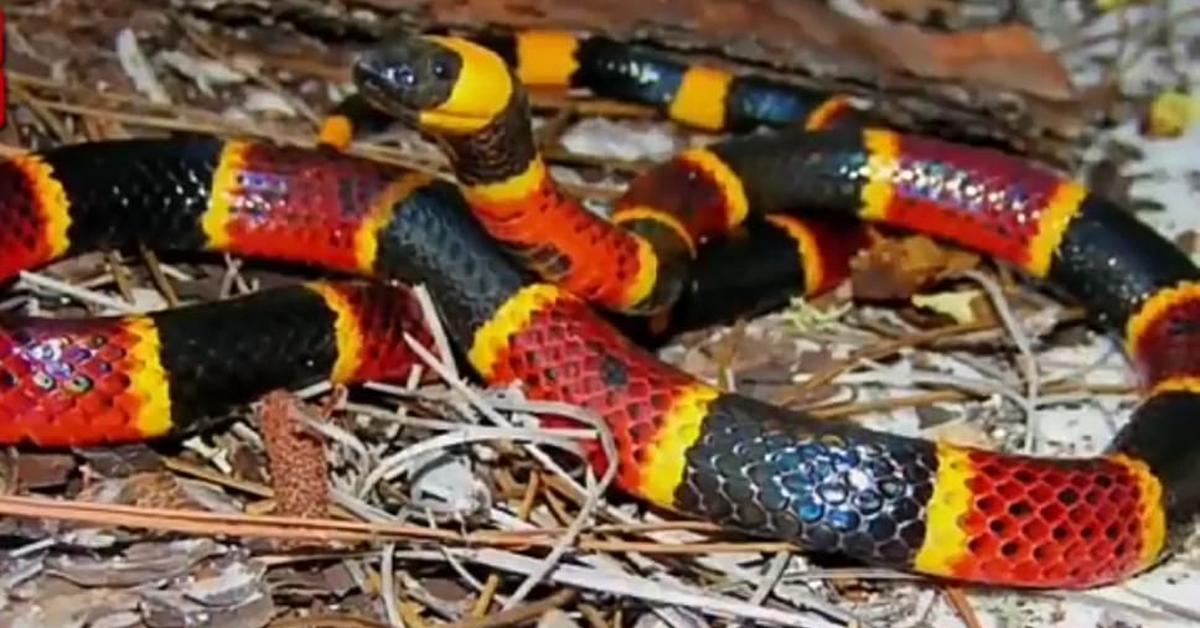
{"x": 683, "y": 445}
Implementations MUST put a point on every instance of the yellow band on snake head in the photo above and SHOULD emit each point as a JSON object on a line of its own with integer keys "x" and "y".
{"x": 481, "y": 93}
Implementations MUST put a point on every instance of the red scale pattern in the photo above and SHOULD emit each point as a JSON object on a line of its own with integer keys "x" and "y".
{"x": 294, "y": 205}
{"x": 981, "y": 198}
{"x": 681, "y": 189}
{"x": 385, "y": 314}
{"x": 23, "y": 238}
{"x": 1170, "y": 345}
{"x": 567, "y": 354}
{"x": 67, "y": 379}
{"x": 1053, "y": 524}
{"x": 588, "y": 257}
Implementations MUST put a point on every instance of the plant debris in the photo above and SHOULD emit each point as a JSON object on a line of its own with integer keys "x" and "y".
{"x": 434, "y": 502}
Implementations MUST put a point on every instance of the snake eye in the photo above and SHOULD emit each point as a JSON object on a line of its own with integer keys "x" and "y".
{"x": 402, "y": 75}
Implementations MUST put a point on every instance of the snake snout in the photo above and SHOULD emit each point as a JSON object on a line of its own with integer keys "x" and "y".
{"x": 407, "y": 76}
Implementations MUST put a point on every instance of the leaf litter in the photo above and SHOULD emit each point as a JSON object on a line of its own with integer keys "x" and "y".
{"x": 446, "y": 503}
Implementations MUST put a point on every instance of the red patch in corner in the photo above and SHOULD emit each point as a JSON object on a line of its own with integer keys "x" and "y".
{"x": 3, "y": 75}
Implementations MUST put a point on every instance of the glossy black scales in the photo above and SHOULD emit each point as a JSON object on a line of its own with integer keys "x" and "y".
{"x": 798, "y": 171}
{"x": 123, "y": 191}
{"x": 433, "y": 239}
{"x": 835, "y": 487}
{"x": 224, "y": 352}
{"x": 1103, "y": 261}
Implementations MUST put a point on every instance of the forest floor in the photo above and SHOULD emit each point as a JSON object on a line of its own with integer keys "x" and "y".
{"x": 447, "y": 505}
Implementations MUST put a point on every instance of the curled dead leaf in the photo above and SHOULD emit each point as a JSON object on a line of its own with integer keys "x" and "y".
{"x": 898, "y": 268}
{"x": 42, "y": 470}
{"x": 140, "y": 564}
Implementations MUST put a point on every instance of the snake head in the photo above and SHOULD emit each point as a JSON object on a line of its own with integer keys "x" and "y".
{"x": 439, "y": 84}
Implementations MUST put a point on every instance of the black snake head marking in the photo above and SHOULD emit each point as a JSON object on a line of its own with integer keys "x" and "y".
{"x": 440, "y": 84}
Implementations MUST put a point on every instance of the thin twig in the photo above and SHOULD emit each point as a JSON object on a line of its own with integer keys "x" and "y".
{"x": 87, "y": 296}
{"x": 159, "y": 277}
{"x": 1024, "y": 346}
{"x": 520, "y": 614}
{"x": 635, "y": 587}
{"x": 876, "y": 352}
{"x": 387, "y": 584}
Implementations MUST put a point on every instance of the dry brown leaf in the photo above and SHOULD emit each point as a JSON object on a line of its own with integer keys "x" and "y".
{"x": 84, "y": 608}
{"x": 42, "y": 470}
{"x": 914, "y": 10}
{"x": 897, "y": 268}
{"x": 140, "y": 564}
{"x": 155, "y": 490}
{"x": 794, "y": 33}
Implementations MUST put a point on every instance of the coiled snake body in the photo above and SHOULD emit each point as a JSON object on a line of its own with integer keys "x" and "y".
{"x": 683, "y": 444}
